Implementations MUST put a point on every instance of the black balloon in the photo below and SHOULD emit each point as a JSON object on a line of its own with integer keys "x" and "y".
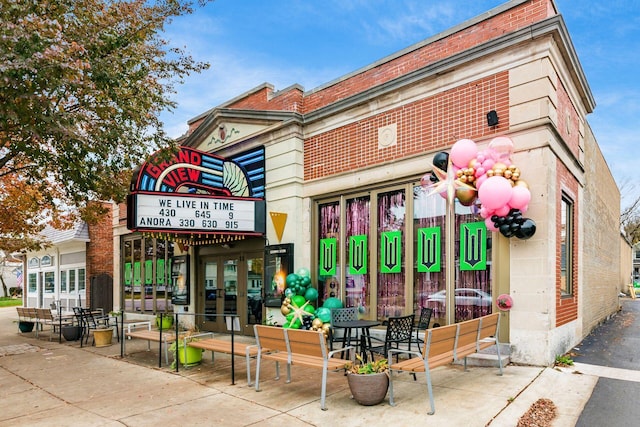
{"x": 505, "y": 230}
{"x": 441, "y": 160}
{"x": 527, "y": 229}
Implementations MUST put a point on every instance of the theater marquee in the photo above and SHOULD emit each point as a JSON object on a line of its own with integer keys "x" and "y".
{"x": 199, "y": 193}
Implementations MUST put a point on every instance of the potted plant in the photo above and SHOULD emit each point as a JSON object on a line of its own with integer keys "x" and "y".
{"x": 103, "y": 336}
{"x": 164, "y": 321}
{"x": 25, "y": 326}
{"x": 71, "y": 332}
{"x": 187, "y": 356}
{"x": 368, "y": 381}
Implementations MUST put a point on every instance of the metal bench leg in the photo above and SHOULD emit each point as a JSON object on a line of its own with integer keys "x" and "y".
{"x": 258, "y": 372}
{"x": 323, "y": 393}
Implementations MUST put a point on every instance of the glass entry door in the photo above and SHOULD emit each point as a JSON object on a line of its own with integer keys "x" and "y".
{"x": 220, "y": 291}
{"x": 231, "y": 284}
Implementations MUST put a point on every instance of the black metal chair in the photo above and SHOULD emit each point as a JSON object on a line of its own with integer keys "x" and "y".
{"x": 399, "y": 332}
{"x": 422, "y": 325}
{"x": 341, "y": 315}
{"x": 89, "y": 322}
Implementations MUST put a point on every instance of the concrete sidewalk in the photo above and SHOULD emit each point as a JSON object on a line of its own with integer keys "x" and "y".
{"x": 46, "y": 383}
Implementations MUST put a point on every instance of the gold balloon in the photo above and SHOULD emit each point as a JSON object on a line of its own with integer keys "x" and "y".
{"x": 523, "y": 183}
{"x": 473, "y": 163}
{"x": 508, "y": 174}
{"x": 466, "y": 196}
{"x": 490, "y": 173}
{"x": 284, "y": 309}
{"x": 317, "y": 323}
{"x": 326, "y": 327}
{"x": 499, "y": 165}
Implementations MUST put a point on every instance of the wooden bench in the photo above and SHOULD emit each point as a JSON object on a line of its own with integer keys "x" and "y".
{"x": 26, "y": 314}
{"x": 227, "y": 347}
{"x": 445, "y": 345}
{"x": 298, "y": 347}
{"x": 142, "y": 330}
{"x": 44, "y": 317}
{"x": 477, "y": 334}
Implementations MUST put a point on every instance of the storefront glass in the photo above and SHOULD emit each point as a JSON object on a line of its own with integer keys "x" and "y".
{"x": 146, "y": 274}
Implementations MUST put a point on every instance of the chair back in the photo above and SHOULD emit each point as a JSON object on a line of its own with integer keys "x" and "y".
{"x": 399, "y": 331}
{"x": 88, "y": 318}
{"x": 425, "y": 318}
{"x": 343, "y": 314}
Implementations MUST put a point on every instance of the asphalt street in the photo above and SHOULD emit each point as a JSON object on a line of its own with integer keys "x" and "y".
{"x": 614, "y": 344}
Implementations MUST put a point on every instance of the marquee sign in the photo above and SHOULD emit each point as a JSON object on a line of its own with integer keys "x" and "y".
{"x": 199, "y": 193}
{"x": 194, "y": 214}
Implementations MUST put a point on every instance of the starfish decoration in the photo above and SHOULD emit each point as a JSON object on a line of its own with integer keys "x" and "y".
{"x": 298, "y": 312}
{"x": 447, "y": 181}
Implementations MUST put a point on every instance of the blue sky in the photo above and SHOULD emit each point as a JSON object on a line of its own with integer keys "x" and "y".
{"x": 312, "y": 42}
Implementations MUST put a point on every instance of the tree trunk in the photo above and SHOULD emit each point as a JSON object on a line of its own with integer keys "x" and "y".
{"x": 4, "y": 286}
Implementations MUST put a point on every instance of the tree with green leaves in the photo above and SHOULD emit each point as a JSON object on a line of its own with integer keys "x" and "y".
{"x": 82, "y": 86}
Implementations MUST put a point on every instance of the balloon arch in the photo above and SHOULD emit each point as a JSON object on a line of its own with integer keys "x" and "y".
{"x": 487, "y": 181}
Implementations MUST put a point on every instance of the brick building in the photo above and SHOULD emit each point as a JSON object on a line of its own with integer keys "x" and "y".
{"x": 340, "y": 167}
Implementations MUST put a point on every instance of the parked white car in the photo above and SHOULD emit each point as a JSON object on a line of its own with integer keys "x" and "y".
{"x": 464, "y": 296}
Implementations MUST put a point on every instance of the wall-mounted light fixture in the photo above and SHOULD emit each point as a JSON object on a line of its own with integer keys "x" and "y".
{"x": 492, "y": 118}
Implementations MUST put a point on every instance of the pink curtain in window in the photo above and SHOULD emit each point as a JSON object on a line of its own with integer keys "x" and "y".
{"x": 391, "y": 289}
{"x": 358, "y": 285}
{"x": 329, "y": 216}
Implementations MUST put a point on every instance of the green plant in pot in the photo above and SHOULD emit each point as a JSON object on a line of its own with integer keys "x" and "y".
{"x": 368, "y": 381}
{"x": 187, "y": 356}
{"x": 164, "y": 321}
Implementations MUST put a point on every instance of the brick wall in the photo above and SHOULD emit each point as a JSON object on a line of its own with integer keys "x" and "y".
{"x": 100, "y": 249}
{"x": 422, "y": 126}
{"x": 603, "y": 276}
{"x": 568, "y": 123}
{"x": 566, "y": 306}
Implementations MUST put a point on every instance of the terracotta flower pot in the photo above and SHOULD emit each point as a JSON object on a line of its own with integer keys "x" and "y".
{"x": 368, "y": 389}
{"x": 103, "y": 337}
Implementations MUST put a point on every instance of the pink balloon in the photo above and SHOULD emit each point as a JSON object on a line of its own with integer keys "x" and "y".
{"x": 425, "y": 181}
{"x": 480, "y": 180}
{"x": 490, "y": 225}
{"x": 501, "y": 148}
{"x": 504, "y": 210}
{"x": 488, "y": 164}
{"x": 479, "y": 172}
{"x": 462, "y": 152}
{"x": 520, "y": 197}
{"x": 495, "y": 192}
{"x": 486, "y": 212}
